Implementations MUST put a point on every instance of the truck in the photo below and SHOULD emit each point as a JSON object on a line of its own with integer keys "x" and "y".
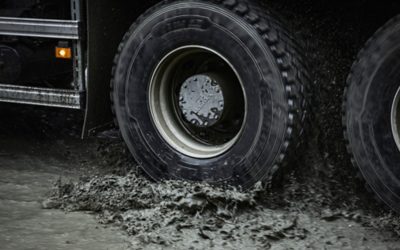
{"x": 215, "y": 91}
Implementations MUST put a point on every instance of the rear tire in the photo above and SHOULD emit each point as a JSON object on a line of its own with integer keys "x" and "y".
{"x": 264, "y": 61}
{"x": 372, "y": 113}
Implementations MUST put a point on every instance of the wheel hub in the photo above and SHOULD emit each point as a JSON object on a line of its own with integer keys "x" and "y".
{"x": 197, "y": 102}
{"x": 201, "y": 101}
{"x": 396, "y": 118}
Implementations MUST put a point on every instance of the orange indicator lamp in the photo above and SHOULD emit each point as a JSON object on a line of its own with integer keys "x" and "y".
{"x": 63, "y": 53}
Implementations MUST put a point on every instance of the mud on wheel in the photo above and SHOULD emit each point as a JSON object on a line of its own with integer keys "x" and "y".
{"x": 372, "y": 113}
{"x": 209, "y": 91}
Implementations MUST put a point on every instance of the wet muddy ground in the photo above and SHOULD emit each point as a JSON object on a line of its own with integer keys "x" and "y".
{"x": 99, "y": 200}
{"x": 31, "y": 162}
{"x": 58, "y": 192}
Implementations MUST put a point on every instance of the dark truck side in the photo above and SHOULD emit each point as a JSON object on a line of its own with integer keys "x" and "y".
{"x": 215, "y": 91}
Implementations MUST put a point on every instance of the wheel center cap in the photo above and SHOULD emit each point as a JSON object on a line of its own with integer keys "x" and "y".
{"x": 201, "y": 101}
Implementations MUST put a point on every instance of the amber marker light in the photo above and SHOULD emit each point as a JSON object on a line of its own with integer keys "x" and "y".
{"x": 63, "y": 53}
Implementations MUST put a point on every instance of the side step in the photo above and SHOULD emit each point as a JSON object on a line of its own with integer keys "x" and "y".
{"x": 44, "y": 28}
{"x": 59, "y": 98}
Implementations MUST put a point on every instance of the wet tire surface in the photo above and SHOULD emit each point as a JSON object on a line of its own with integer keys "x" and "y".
{"x": 373, "y": 84}
{"x": 265, "y": 57}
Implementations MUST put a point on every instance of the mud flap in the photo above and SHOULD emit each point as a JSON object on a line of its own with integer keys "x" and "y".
{"x": 107, "y": 21}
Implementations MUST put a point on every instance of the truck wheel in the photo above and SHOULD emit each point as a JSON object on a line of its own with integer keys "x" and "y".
{"x": 372, "y": 113}
{"x": 209, "y": 91}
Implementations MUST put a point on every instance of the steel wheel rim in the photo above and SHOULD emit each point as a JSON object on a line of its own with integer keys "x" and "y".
{"x": 166, "y": 110}
{"x": 395, "y": 118}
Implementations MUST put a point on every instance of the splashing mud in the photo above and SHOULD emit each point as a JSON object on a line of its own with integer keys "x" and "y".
{"x": 184, "y": 215}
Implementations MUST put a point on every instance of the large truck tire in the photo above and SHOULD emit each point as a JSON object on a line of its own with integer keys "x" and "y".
{"x": 209, "y": 91}
{"x": 372, "y": 113}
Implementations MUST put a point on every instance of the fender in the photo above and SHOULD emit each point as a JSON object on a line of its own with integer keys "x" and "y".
{"x": 106, "y": 23}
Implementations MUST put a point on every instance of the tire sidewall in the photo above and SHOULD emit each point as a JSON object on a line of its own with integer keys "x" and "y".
{"x": 369, "y": 106}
